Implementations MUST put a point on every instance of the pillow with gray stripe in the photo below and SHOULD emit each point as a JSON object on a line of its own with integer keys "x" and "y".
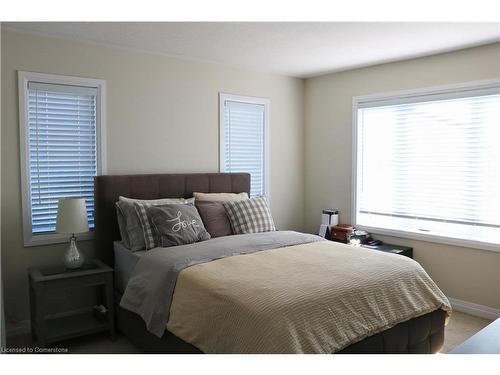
{"x": 250, "y": 216}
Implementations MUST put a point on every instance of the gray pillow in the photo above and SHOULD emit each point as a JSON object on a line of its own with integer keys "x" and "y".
{"x": 132, "y": 225}
{"x": 177, "y": 224}
{"x": 122, "y": 225}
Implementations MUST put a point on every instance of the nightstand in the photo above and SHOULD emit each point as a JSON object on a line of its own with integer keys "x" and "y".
{"x": 395, "y": 249}
{"x": 46, "y": 328}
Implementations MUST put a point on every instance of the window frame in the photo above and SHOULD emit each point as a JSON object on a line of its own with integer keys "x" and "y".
{"x": 252, "y": 100}
{"x": 31, "y": 239}
{"x": 434, "y": 91}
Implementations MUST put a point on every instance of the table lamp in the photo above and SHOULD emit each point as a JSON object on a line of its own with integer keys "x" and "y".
{"x": 71, "y": 219}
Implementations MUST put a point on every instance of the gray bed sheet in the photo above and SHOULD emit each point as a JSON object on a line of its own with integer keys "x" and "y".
{"x": 125, "y": 261}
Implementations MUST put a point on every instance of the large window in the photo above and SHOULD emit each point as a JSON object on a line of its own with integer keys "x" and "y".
{"x": 428, "y": 163}
{"x": 244, "y": 139}
{"x": 61, "y": 153}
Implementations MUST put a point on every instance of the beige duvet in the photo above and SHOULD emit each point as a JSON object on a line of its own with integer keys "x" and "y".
{"x": 313, "y": 298}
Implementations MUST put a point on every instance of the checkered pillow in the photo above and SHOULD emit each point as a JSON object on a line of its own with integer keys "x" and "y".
{"x": 250, "y": 216}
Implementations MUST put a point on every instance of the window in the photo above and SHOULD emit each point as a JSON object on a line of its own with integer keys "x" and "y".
{"x": 427, "y": 163}
{"x": 61, "y": 128}
{"x": 244, "y": 139}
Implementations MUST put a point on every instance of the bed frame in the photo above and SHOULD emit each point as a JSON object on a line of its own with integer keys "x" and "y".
{"x": 424, "y": 334}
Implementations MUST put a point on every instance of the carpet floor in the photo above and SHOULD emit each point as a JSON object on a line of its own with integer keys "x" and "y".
{"x": 460, "y": 327}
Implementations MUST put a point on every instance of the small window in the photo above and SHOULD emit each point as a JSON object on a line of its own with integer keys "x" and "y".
{"x": 244, "y": 123}
{"x": 60, "y": 127}
{"x": 428, "y": 163}
{"x": 244, "y": 129}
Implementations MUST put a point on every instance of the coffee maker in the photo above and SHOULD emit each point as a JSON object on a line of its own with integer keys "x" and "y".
{"x": 329, "y": 218}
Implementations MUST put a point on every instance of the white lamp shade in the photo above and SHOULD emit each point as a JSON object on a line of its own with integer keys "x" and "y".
{"x": 72, "y": 216}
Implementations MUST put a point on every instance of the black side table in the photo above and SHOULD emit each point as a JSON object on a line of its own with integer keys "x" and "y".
{"x": 47, "y": 329}
{"x": 395, "y": 249}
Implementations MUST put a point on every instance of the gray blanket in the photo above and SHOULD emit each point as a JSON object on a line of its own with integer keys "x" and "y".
{"x": 151, "y": 287}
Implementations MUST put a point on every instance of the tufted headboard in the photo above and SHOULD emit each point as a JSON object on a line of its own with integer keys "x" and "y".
{"x": 108, "y": 188}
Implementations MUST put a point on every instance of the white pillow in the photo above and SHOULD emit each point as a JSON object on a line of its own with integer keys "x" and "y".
{"x": 158, "y": 201}
{"x": 220, "y": 197}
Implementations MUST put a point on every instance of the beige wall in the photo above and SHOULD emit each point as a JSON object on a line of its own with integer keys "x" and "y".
{"x": 462, "y": 273}
{"x": 153, "y": 101}
{"x": 162, "y": 117}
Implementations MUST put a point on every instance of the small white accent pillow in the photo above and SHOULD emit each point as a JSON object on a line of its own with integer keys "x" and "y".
{"x": 158, "y": 201}
{"x": 220, "y": 197}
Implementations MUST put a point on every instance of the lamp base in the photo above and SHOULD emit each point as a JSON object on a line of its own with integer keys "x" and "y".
{"x": 73, "y": 258}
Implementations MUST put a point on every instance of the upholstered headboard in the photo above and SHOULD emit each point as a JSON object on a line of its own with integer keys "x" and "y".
{"x": 107, "y": 189}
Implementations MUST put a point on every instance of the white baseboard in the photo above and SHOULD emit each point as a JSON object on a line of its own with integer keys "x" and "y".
{"x": 481, "y": 311}
{"x": 19, "y": 328}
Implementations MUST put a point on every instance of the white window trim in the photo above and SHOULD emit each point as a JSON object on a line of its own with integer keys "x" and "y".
{"x": 23, "y": 78}
{"x": 429, "y": 91}
{"x": 246, "y": 99}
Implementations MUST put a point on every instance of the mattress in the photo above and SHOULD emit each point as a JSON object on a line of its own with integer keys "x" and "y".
{"x": 125, "y": 261}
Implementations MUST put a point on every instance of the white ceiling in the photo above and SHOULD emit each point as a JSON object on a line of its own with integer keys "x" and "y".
{"x": 301, "y": 49}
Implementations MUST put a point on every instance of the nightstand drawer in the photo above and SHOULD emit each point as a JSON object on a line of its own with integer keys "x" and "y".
{"x": 80, "y": 282}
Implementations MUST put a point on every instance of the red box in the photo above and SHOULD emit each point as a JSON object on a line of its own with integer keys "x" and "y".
{"x": 340, "y": 232}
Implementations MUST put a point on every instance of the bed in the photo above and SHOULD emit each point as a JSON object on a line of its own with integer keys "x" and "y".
{"x": 420, "y": 334}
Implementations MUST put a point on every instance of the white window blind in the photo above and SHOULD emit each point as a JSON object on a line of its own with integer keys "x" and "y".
{"x": 243, "y": 142}
{"x": 431, "y": 164}
{"x": 62, "y": 153}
